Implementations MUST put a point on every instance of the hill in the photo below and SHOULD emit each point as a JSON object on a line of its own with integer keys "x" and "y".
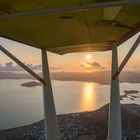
{"x": 82, "y": 126}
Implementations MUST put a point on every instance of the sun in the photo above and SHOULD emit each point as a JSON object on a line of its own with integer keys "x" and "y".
{"x": 88, "y": 57}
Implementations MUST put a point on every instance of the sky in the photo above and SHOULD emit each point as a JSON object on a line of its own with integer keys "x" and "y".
{"x": 74, "y": 62}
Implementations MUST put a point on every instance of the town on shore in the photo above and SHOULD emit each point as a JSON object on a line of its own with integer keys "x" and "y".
{"x": 82, "y": 126}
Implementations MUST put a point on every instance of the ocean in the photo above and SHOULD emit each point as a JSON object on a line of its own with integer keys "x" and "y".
{"x": 24, "y": 105}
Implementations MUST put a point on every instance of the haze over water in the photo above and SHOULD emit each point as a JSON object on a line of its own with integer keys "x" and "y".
{"x": 22, "y": 105}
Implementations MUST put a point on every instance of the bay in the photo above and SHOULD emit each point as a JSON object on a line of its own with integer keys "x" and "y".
{"x": 23, "y": 105}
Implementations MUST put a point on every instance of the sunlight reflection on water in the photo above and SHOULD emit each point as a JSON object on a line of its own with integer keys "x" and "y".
{"x": 88, "y": 98}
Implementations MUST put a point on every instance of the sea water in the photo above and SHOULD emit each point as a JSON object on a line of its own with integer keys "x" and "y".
{"x": 24, "y": 105}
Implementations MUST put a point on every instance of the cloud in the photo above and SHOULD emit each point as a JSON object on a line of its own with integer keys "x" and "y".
{"x": 10, "y": 67}
{"x": 93, "y": 65}
{"x": 85, "y": 65}
{"x": 96, "y": 65}
{"x": 34, "y": 67}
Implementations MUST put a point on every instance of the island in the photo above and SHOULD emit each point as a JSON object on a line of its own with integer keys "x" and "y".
{"x": 31, "y": 84}
{"x": 130, "y": 94}
{"x": 131, "y": 91}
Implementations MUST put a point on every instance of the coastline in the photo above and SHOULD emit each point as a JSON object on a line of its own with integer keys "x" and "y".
{"x": 82, "y": 125}
{"x": 101, "y": 77}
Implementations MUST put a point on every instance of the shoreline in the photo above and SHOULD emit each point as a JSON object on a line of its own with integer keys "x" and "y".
{"x": 82, "y": 125}
{"x": 101, "y": 77}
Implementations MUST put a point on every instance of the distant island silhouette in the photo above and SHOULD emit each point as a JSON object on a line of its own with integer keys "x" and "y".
{"x": 102, "y": 77}
{"x": 131, "y": 94}
{"x": 31, "y": 84}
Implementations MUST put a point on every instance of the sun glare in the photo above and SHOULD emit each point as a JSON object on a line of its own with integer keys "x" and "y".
{"x": 88, "y": 57}
{"x": 89, "y": 88}
{"x": 88, "y": 97}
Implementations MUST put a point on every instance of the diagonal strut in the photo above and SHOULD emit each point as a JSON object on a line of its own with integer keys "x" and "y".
{"x": 22, "y": 65}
